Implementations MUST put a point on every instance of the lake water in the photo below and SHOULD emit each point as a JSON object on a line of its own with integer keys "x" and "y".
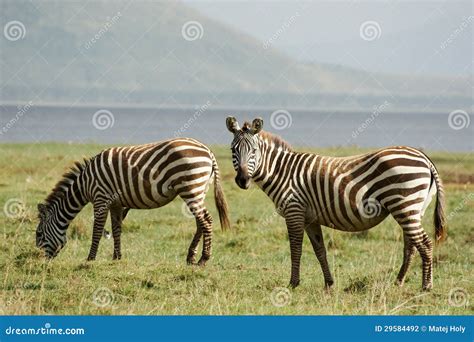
{"x": 316, "y": 128}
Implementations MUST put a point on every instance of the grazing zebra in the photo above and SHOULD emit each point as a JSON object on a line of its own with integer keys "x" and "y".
{"x": 349, "y": 194}
{"x": 139, "y": 177}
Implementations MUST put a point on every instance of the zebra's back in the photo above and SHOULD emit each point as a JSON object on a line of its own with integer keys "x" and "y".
{"x": 356, "y": 193}
{"x": 152, "y": 175}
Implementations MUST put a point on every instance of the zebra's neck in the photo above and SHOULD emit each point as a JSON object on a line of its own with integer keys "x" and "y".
{"x": 274, "y": 168}
{"x": 67, "y": 199}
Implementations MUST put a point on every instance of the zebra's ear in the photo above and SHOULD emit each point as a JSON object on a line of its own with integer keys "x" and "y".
{"x": 232, "y": 124}
{"x": 257, "y": 125}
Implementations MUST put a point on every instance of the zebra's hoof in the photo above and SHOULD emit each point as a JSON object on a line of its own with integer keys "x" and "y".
{"x": 328, "y": 285}
{"x": 191, "y": 259}
{"x": 202, "y": 261}
{"x": 116, "y": 257}
{"x": 400, "y": 282}
{"x": 89, "y": 258}
{"x": 427, "y": 287}
{"x": 294, "y": 283}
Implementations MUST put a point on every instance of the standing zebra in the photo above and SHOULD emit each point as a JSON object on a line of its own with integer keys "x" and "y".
{"x": 139, "y": 177}
{"x": 349, "y": 194}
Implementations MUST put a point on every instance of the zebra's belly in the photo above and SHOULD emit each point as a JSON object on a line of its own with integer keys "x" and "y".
{"x": 139, "y": 201}
{"x": 367, "y": 223}
{"x": 364, "y": 224}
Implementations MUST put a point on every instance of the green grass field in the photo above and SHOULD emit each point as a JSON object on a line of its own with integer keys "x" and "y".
{"x": 250, "y": 264}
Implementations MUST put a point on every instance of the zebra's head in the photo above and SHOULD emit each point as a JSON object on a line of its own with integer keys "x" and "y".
{"x": 245, "y": 148}
{"x": 50, "y": 234}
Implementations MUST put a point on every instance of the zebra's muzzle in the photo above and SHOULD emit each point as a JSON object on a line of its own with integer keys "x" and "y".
{"x": 242, "y": 181}
{"x": 50, "y": 253}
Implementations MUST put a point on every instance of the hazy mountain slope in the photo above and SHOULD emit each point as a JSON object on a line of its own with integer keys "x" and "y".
{"x": 139, "y": 55}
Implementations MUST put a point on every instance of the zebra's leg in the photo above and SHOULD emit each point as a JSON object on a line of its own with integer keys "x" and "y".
{"x": 191, "y": 258}
{"x": 418, "y": 239}
{"x": 408, "y": 253}
{"x": 117, "y": 215}
{"x": 100, "y": 216}
{"x": 205, "y": 222}
{"x": 426, "y": 251}
{"x": 192, "y": 250}
{"x": 313, "y": 230}
{"x": 203, "y": 228}
{"x": 295, "y": 226}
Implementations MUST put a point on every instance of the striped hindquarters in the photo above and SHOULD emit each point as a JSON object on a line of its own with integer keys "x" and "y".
{"x": 358, "y": 192}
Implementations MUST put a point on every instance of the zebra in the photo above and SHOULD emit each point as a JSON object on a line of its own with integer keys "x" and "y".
{"x": 138, "y": 177}
{"x": 349, "y": 194}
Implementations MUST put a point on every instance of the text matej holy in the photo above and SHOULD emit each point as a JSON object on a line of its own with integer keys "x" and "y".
{"x": 447, "y": 328}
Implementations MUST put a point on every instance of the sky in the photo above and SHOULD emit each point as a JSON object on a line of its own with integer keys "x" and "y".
{"x": 430, "y": 37}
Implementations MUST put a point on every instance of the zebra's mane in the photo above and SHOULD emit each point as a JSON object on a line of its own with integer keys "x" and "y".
{"x": 68, "y": 178}
{"x": 277, "y": 140}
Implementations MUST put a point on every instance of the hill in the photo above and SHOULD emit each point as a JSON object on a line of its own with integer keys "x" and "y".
{"x": 141, "y": 52}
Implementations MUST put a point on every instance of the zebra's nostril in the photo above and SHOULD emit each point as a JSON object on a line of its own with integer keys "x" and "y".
{"x": 242, "y": 181}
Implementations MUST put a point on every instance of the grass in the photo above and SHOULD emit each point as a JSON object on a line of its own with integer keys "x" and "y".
{"x": 250, "y": 266}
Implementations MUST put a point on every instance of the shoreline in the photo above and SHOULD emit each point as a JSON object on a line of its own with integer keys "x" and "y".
{"x": 193, "y": 107}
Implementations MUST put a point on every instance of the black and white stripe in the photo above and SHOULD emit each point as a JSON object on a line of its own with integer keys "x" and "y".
{"x": 349, "y": 194}
{"x": 138, "y": 177}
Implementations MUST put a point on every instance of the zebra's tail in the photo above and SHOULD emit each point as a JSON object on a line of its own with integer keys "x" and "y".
{"x": 219, "y": 197}
{"x": 440, "y": 221}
